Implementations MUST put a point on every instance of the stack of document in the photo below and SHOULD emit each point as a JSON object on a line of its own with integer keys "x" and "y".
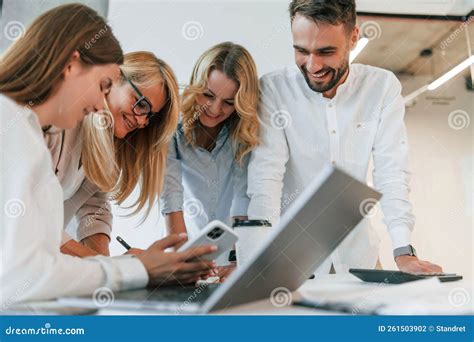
{"x": 421, "y": 297}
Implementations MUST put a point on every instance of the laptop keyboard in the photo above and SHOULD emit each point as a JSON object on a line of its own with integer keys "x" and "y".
{"x": 178, "y": 294}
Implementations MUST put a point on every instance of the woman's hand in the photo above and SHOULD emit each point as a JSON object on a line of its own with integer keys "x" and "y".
{"x": 74, "y": 248}
{"x": 97, "y": 242}
{"x": 166, "y": 268}
{"x": 223, "y": 272}
{"x": 175, "y": 225}
{"x": 134, "y": 251}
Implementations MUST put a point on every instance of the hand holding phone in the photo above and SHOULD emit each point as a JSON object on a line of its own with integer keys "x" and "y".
{"x": 215, "y": 233}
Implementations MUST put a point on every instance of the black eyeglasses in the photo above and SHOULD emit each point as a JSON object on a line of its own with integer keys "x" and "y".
{"x": 142, "y": 106}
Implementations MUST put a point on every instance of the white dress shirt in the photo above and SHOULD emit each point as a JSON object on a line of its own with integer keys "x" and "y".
{"x": 302, "y": 131}
{"x": 32, "y": 267}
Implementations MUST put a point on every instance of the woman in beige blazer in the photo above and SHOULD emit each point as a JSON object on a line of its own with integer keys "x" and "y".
{"x": 108, "y": 155}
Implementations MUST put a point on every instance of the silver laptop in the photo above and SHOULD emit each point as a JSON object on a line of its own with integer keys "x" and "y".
{"x": 310, "y": 230}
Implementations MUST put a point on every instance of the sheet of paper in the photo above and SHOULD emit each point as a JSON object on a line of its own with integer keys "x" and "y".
{"x": 428, "y": 296}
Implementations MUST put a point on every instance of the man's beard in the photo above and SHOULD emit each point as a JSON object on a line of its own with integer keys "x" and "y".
{"x": 336, "y": 75}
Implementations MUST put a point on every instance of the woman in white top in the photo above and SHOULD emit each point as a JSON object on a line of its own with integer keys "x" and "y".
{"x": 133, "y": 143}
{"x": 52, "y": 76}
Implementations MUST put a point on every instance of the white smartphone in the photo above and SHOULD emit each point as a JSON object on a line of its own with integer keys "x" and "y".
{"x": 215, "y": 233}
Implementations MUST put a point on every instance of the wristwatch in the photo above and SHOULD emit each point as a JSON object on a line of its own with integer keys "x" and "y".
{"x": 405, "y": 250}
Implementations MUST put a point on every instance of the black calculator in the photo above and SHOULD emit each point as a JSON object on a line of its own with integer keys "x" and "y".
{"x": 398, "y": 277}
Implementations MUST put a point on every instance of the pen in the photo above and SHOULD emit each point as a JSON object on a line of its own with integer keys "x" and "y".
{"x": 123, "y": 243}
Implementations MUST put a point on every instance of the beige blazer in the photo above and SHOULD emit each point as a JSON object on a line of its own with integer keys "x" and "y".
{"x": 82, "y": 198}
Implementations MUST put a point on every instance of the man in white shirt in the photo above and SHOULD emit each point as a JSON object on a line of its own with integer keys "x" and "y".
{"x": 323, "y": 111}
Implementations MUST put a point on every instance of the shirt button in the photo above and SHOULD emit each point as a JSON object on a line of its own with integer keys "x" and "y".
{"x": 333, "y": 131}
{"x": 333, "y": 162}
{"x": 330, "y": 105}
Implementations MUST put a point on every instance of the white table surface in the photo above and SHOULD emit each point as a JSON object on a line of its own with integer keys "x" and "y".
{"x": 420, "y": 297}
{"x": 424, "y": 297}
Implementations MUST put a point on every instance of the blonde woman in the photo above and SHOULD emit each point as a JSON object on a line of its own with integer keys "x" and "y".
{"x": 107, "y": 157}
{"x": 59, "y": 91}
{"x": 206, "y": 175}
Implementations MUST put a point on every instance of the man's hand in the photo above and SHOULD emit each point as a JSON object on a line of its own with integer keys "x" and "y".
{"x": 175, "y": 267}
{"x": 411, "y": 264}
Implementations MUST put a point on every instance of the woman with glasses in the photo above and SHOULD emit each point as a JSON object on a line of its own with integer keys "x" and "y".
{"x": 116, "y": 152}
{"x": 60, "y": 91}
{"x": 206, "y": 176}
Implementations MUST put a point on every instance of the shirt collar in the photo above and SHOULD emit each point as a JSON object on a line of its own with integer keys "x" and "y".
{"x": 343, "y": 88}
{"x": 221, "y": 137}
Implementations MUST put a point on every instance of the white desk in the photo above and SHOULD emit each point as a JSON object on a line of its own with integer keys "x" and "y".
{"x": 425, "y": 297}
{"x": 431, "y": 298}
{"x": 418, "y": 298}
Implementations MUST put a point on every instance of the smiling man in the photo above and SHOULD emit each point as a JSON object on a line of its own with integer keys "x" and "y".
{"x": 324, "y": 110}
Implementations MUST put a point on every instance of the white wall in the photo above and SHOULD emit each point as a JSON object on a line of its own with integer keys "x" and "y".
{"x": 440, "y": 127}
{"x": 441, "y": 157}
{"x": 16, "y": 15}
{"x": 179, "y": 31}
{"x": 166, "y": 29}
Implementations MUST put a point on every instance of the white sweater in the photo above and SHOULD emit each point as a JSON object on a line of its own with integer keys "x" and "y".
{"x": 32, "y": 267}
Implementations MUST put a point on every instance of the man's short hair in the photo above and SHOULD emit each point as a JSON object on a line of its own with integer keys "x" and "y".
{"x": 333, "y": 12}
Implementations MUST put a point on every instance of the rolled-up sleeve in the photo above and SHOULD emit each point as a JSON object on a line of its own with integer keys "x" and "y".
{"x": 95, "y": 214}
{"x": 267, "y": 162}
{"x": 171, "y": 199}
{"x": 391, "y": 175}
{"x": 65, "y": 237}
{"x": 240, "y": 201}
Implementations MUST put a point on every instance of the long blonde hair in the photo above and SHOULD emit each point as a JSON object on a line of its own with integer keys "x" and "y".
{"x": 140, "y": 157}
{"x": 32, "y": 66}
{"x": 238, "y": 65}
